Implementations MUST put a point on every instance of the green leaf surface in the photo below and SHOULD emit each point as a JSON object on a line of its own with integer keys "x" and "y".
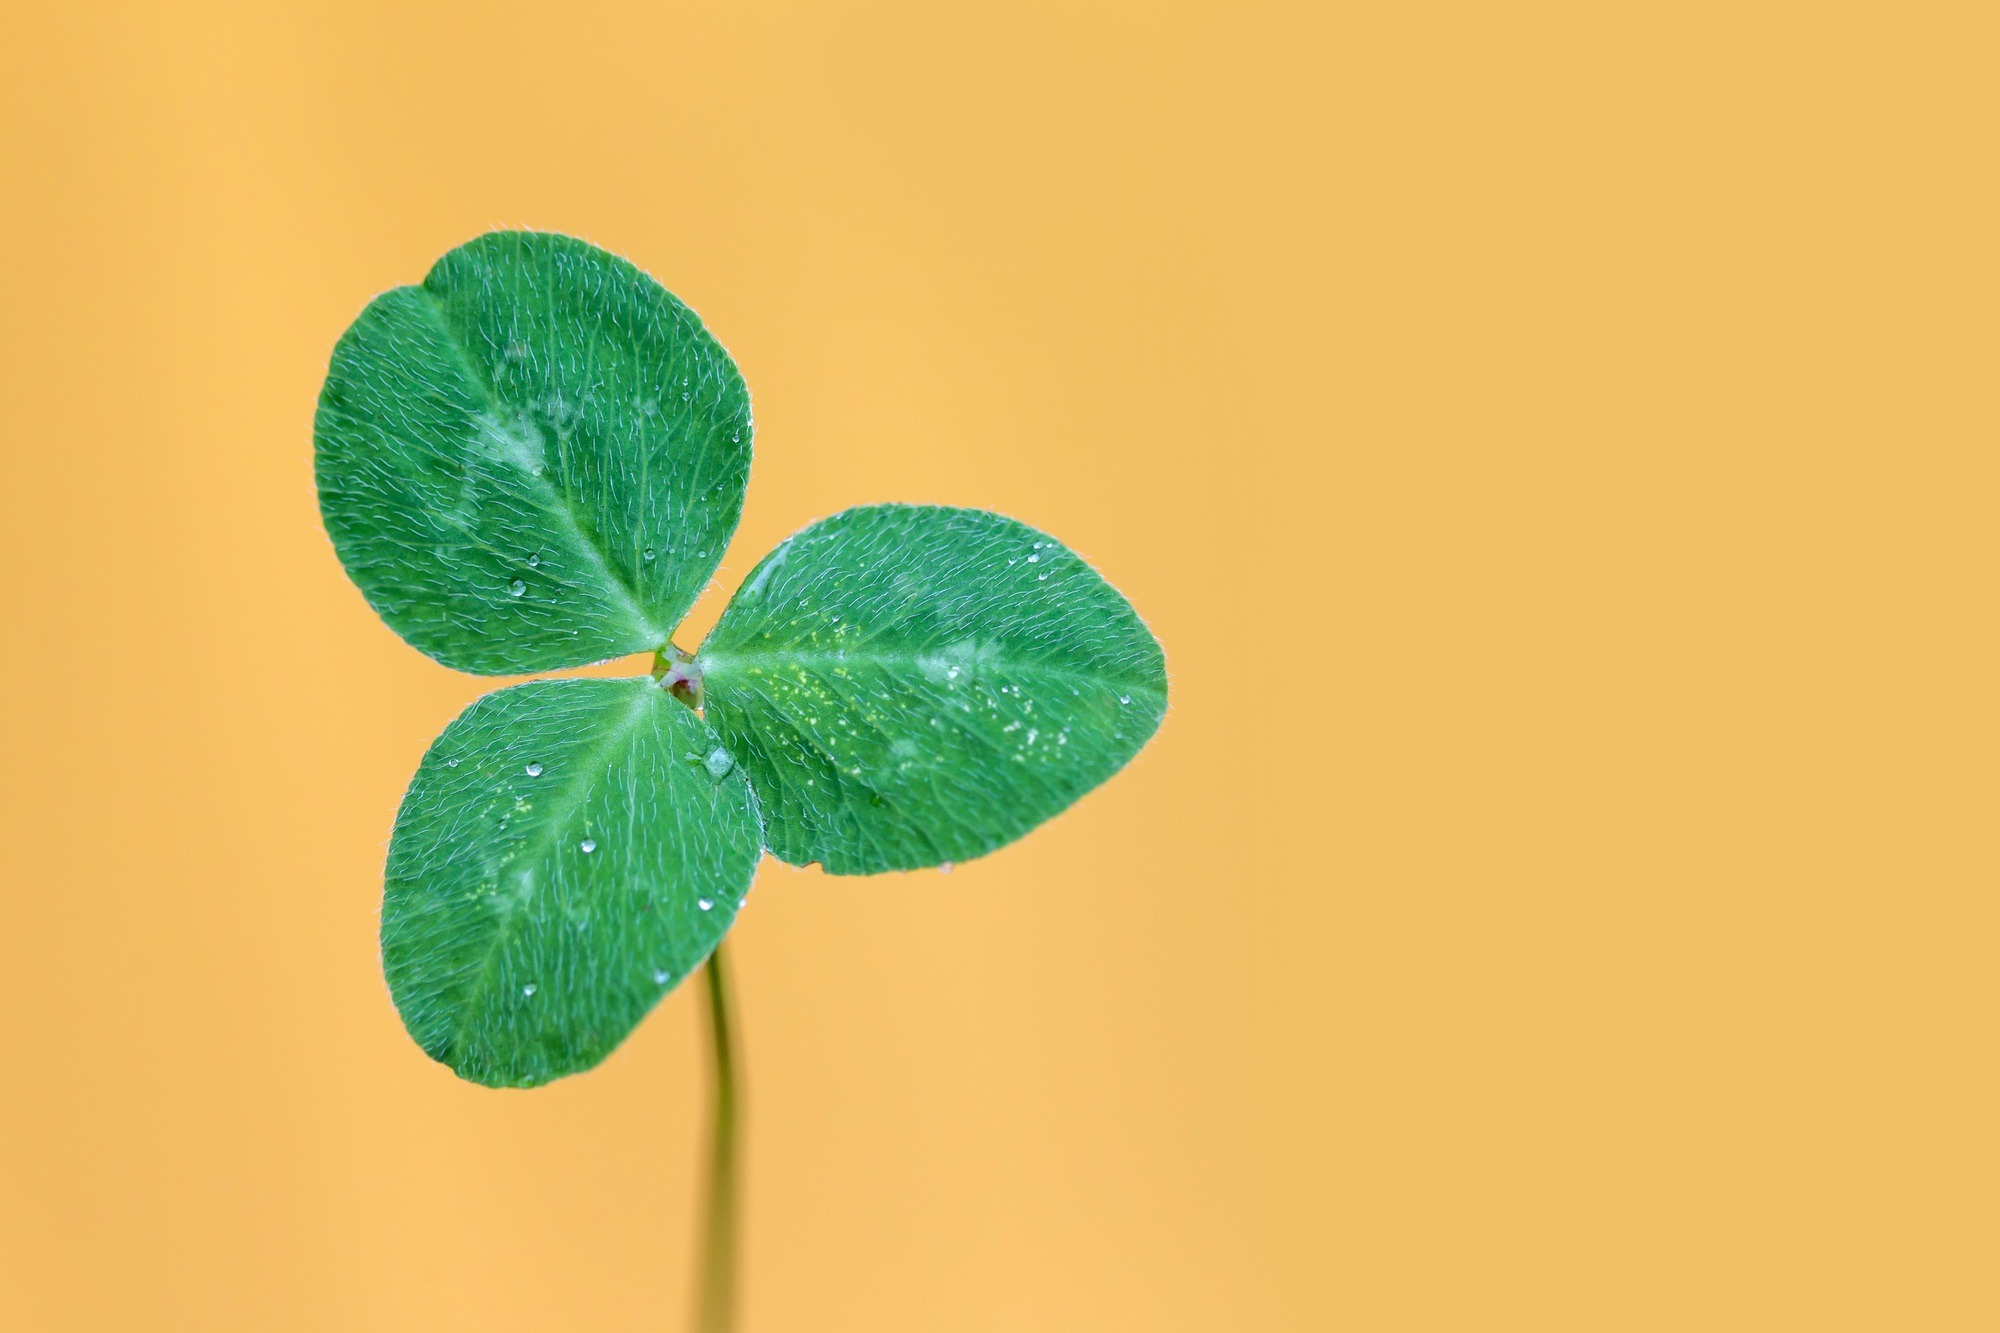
{"x": 535, "y": 459}
{"x": 909, "y": 685}
{"x": 568, "y": 851}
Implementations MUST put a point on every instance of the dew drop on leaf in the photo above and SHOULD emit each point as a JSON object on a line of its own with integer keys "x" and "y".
{"x": 528, "y": 991}
{"x": 719, "y": 762}
{"x": 587, "y": 846}
{"x": 661, "y": 976}
{"x": 516, "y": 588}
{"x": 534, "y": 770}
{"x": 705, "y": 904}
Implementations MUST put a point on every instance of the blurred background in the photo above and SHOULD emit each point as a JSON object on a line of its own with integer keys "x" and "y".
{"x": 1555, "y": 444}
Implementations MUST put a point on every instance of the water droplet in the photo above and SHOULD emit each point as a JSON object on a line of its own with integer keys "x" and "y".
{"x": 705, "y": 904}
{"x": 1042, "y": 577}
{"x": 1034, "y": 560}
{"x": 528, "y": 990}
{"x": 661, "y": 976}
{"x": 719, "y": 762}
{"x": 534, "y": 770}
{"x": 944, "y": 867}
{"x": 516, "y": 588}
{"x": 535, "y": 560}
{"x": 451, "y": 763}
{"x": 650, "y": 553}
{"x": 587, "y": 846}
{"x": 1124, "y": 698}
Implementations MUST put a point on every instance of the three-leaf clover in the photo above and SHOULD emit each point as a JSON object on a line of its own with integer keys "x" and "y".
{"x": 534, "y": 461}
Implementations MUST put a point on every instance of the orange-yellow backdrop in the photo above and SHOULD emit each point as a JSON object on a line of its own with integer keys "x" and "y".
{"x": 1556, "y": 444}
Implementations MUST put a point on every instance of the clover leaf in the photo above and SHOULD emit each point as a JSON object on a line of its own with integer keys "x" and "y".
{"x": 534, "y": 460}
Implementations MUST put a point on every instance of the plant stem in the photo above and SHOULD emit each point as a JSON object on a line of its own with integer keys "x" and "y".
{"x": 716, "y": 1312}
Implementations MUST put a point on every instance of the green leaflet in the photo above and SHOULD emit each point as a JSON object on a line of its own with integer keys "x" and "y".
{"x": 535, "y": 459}
{"x": 909, "y": 685}
{"x": 568, "y": 851}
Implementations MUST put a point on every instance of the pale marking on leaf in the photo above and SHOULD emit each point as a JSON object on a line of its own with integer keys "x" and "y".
{"x": 772, "y": 564}
{"x": 525, "y": 453}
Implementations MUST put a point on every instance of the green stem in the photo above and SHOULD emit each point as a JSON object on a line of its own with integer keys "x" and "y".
{"x": 716, "y": 1312}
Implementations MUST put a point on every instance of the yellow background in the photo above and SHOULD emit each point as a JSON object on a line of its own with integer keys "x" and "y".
{"x": 1556, "y": 445}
